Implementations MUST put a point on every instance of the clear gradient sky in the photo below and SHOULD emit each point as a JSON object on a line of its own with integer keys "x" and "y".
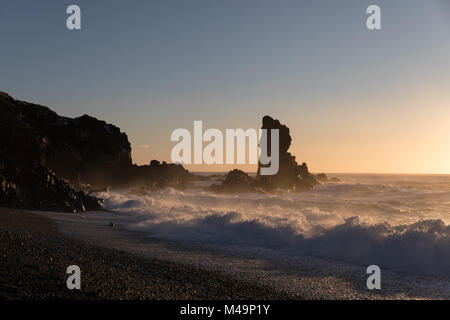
{"x": 355, "y": 100}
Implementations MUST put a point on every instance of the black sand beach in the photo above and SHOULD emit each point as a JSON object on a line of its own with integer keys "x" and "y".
{"x": 35, "y": 257}
{"x": 37, "y": 247}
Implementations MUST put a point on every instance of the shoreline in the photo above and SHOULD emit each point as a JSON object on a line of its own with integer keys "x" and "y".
{"x": 35, "y": 256}
{"x": 298, "y": 277}
{"x": 189, "y": 270}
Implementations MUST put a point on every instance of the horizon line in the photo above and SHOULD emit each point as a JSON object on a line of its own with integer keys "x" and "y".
{"x": 342, "y": 172}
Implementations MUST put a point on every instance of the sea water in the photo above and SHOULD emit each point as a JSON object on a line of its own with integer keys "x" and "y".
{"x": 400, "y": 222}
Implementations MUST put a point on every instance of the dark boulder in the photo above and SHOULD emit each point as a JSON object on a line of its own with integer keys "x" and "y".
{"x": 321, "y": 177}
{"x": 158, "y": 175}
{"x": 237, "y": 181}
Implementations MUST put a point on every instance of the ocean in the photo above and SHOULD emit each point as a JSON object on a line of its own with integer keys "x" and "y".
{"x": 399, "y": 222}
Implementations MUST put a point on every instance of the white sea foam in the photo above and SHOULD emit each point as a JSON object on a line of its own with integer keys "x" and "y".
{"x": 397, "y": 222}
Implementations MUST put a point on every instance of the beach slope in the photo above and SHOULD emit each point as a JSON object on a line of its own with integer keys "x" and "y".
{"x": 35, "y": 256}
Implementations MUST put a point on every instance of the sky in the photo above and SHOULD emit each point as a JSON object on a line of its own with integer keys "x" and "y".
{"x": 356, "y": 100}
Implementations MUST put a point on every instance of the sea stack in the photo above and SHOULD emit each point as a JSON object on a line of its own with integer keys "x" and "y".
{"x": 291, "y": 175}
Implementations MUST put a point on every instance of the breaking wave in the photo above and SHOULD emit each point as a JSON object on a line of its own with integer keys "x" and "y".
{"x": 396, "y": 227}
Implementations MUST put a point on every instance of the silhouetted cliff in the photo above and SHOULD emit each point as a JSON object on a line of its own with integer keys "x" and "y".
{"x": 83, "y": 148}
{"x": 38, "y": 148}
{"x": 32, "y": 139}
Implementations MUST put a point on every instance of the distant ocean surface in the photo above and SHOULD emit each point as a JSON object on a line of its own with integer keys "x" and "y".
{"x": 400, "y": 222}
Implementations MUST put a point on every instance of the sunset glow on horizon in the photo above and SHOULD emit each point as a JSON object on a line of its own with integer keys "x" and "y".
{"x": 355, "y": 100}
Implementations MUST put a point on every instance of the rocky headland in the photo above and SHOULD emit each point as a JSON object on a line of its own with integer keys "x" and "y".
{"x": 51, "y": 162}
